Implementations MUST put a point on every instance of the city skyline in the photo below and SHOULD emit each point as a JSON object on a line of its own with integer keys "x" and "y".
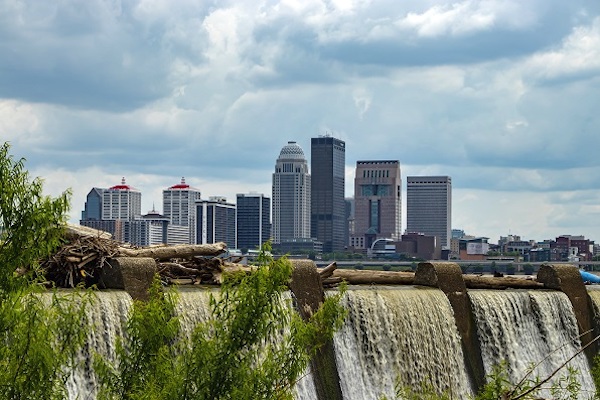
{"x": 499, "y": 95}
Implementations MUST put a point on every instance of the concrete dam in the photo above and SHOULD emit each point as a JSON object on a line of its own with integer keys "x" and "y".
{"x": 434, "y": 332}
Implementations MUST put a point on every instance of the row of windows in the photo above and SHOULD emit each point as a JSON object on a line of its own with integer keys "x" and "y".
{"x": 376, "y": 173}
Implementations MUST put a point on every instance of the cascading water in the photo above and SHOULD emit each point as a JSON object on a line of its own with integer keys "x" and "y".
{"x": 524, "y": 328}
{"x": 106, "y": 318}
{"x": 406, "y": 334}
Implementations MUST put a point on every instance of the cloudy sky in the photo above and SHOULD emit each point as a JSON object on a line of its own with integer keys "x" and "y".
{"x": 501, "y": 95}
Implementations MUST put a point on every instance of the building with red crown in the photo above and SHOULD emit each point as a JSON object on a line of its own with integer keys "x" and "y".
{"x": 179, "y": 205}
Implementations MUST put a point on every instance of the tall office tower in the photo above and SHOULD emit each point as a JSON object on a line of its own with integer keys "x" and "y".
{"x": 328, "y": 208}
{"x": 216, "y": 221}
{"x": 93, "y": 205}
{"x": 291, "y": 195}
{"x": 377, "y": 202}
{"x": 253, "y": 220}
{"x": 111, "y": 209}
{"x": 121, "y": 202}
{"x": 429, "y": 206}
{"x": 179, "y": 205}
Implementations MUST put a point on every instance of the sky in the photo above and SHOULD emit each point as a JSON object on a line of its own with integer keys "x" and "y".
{"x": 503, "y": 96}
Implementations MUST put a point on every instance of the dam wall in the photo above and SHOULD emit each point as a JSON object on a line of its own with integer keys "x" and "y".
{"x": 433, "y": 331}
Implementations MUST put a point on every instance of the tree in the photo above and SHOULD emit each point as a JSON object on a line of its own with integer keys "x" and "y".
{"x": 39, "y": 334}
{"x": 31, "y": 224}
{"x": 255, "y": 346}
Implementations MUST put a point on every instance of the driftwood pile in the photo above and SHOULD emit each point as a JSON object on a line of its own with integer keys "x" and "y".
{"x": 86, "y": 252}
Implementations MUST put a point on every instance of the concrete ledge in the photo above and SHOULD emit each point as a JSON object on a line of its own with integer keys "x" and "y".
{"x": 308, "y": 289}
{"x": 447, "y": 276}
{"x": 132, "y": 274}
{"x": 566, "y": 278}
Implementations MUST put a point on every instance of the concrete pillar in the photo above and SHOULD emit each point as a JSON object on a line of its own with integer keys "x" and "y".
{"x": 447, "y": 276}
{"x": 132, "y": 274}
{"x": 566, "y": 278}
{"x": 308, "y": 289}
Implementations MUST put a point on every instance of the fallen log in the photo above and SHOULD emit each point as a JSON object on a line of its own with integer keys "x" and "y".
{"x": 78, "y": 231}
{"x": 506, "y": 282}
{"x": 328, "y": 270}
{"x": 357, "y": 277}
{"x": 177, "y": 251}
{"x": 331, "y": 281}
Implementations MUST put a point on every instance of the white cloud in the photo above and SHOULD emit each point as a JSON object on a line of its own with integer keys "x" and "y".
{"x": 18, "y": 121}
{"x": 579, "y": 53}
{"x": 455, "y": 19}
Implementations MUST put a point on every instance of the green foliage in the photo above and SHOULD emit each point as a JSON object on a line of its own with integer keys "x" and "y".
{"x": 529, "y": 387}
{"x": 425, "y": 392}
{"x": 40, "y": 333}
{"x": 596, "y": 374}
{"x": 255, "y": 346}
{"x": 147, "y": 358}
{"x": 499, "y": 386}
{"x": 31, "y": 224}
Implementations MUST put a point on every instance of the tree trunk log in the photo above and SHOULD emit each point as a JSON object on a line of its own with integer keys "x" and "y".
{"x": 354, "y": 277}
{"x": 178, "y": 251}
{"x": 506, "y": 282}
{"x": 77, "y": 231}
{"x": 328, "y": 270}
{"x": 363, "y": 277}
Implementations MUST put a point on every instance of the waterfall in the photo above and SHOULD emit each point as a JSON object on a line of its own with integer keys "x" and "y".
{"x": 523, "y": 328}
{"x": 401, "y": 333}
{"x": 107, "y": 316}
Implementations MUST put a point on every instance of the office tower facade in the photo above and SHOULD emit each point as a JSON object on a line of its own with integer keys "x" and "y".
{"x": 253, "y": 220}
{"x": 112, "y": 209}
{"x": 291, "y": 195}
{"x": 179, "y": 205}
{"x": 328, "y": 208}
{"x": 377, "y": 202}
{"x": 121, "y": 202}
{"x": 429, "y": 207}
{"x": 216, "y": 221}
{"x": 93, "y": 205}
{"x": 150, "y": 230}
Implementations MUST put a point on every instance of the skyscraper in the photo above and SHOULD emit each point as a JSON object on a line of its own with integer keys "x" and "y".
{"x": 216, "y": 221}
{"x": 179, "y": 205}
{"x": 429, "y": 206}
{"x": 377, "y": 202}
{"x": 113, "y": 209}
{"x": 121, "y": 202}
{"x": 291, "y": 195}
{"x": 328, "y": 222}
{"x": 253, "y": 220}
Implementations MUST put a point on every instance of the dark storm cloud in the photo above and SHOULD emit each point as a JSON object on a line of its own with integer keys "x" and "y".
{"x": 93, "y": 54}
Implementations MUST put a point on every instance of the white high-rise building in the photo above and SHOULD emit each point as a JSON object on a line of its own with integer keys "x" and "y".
{"x": 113, "y": 210}
{"x": 291, "y": 195}
{"x": 179, "y": 205}
{"x": 121, "y": 202}
{"x": 429, "y": 207}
